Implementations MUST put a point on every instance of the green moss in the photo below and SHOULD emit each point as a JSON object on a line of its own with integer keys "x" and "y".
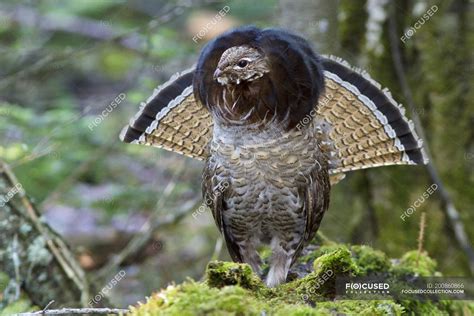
{"x": 322, "y": 250}
{"x": 321, "y": 282}
{"x": 364, "y": 307}
{"x": 458, "y": 307}
{"x": 423, "y": 308}
{"x": 220, "y": 274}
{"x": 340, "y": 260}
{"x": 233, "y": 289}
{"x": 439, "y": 308}
{"x": 365, "y": 258}
{"x": 192, "y": 298}
{"x": 370, "y": 261}
{"x": 414, "y": 263}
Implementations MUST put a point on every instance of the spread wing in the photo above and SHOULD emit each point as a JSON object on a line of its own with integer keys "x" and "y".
{"x": 369, "y": 128}
{"x": 172, "y": 119}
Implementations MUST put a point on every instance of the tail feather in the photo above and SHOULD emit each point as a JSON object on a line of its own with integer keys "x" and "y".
{"x": 171, "y": 119}
{"x": 385, "y": 154}
{"x": 377, "y": 149}
{"x": 372, "y": 162}
{"x": 187, "y": 148}
{"x": 355, "y": 143}
{"x": 368, "y": 128}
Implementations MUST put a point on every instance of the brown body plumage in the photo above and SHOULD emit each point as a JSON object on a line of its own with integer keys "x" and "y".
{"x": 276, "y": 191}
{"x": 277, "y": 175}
{"x": 275, "y": 123}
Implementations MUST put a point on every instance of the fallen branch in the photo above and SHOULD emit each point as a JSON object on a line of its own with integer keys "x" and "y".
{"x": 69, "y": 311}
{"x": 449, "y": 208}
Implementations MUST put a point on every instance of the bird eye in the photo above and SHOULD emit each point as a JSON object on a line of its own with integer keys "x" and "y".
{"x": 242, "y": 63}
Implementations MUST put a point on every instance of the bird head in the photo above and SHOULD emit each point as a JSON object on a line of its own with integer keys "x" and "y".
{"x": 240, "y": 64}
{"x": 248, "y": 76}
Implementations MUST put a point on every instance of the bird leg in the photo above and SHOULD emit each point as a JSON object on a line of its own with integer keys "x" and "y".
{"x": 250, "y": 256}
{"x": 280, "y": 262}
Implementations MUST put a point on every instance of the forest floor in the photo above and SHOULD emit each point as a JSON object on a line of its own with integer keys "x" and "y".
{"x": 233, "y": 289}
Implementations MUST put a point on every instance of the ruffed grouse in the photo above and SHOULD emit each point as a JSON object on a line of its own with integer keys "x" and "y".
{"x": 276, "y": 124}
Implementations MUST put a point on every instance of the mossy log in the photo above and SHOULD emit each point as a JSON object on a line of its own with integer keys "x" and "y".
{"x": 233, "y": 289}
{"x": 36, "y": 265}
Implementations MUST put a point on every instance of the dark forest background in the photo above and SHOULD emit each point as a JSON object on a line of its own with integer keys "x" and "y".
{"x": 63, "y": 62}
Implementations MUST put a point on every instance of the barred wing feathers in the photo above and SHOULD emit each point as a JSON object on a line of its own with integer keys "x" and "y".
{"x": 172, "y": 119}
{"x": 369, "y": 128}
